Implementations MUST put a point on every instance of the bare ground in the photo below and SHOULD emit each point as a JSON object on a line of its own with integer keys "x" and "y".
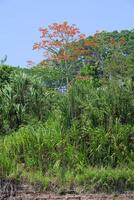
{"x": 27, "y": 192}
{"x": 126, "y": 196}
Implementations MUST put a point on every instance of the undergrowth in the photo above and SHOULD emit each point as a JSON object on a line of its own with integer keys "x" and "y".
{"x": 44, "y": 155}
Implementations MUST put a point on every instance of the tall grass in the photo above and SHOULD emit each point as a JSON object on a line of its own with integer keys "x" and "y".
{"x": 43, "y": 154}
{"x": 39, "y": 148}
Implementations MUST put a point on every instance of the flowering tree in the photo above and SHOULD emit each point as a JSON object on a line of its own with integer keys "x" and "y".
{"x": 63, "y": 44}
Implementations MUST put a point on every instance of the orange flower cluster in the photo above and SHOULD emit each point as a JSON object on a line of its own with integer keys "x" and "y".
{"x": 36, "y": 46}
{"x": 64, "y": 28}
{"x": 90, "y": 43}
{"x": 122, "y": 41}
{"x": 44, "y": 32}
{"x": 62, "y": 42}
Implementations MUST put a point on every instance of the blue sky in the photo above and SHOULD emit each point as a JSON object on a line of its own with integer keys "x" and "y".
{"x": 20, "y": 20}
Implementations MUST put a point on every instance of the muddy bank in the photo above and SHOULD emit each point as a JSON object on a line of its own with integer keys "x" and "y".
{"x": 10, "y": 190}
{"x": 51, "y": 196}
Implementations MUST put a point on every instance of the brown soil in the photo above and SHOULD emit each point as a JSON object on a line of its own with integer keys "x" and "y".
{"x": 71, "y": 197}
{"x": 27, "y": 192}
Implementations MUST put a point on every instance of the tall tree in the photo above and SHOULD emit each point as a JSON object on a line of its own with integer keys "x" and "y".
{"x": 63, "y": 44}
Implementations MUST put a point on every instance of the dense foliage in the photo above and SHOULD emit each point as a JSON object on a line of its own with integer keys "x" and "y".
{"x": 75, "y": 134}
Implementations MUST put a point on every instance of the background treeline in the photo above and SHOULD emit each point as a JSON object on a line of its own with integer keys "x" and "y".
{"x": 54, "y": 133}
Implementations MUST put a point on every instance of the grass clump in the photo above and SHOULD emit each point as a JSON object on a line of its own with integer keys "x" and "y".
{"x": 43, "y": 155}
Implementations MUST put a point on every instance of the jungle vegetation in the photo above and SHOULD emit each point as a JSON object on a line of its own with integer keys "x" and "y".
{"x": 69, "y": 121}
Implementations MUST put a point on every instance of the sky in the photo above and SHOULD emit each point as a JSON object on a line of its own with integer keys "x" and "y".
{"x": 21, "y": 19}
